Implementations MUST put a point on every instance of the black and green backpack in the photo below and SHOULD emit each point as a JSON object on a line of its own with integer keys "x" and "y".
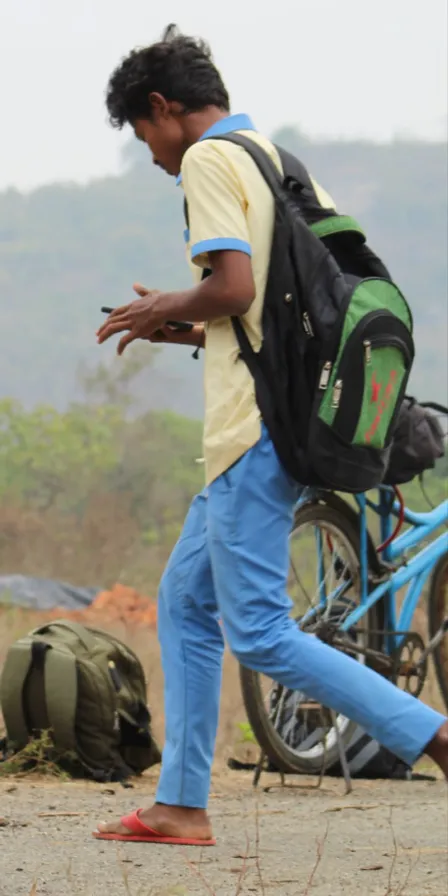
{"x": 87, "y": 689}
{"x": 337, "y": 339}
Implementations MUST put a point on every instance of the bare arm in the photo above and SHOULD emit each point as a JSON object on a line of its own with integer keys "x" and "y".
{"x": 219, "y": 237}
{"x": 229, "y": 290}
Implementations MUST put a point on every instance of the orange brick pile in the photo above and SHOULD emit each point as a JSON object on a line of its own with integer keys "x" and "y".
{"x": 121, "y": 604}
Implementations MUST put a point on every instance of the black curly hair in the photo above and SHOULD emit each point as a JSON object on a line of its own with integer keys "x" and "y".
{"x": 180, "y": 68}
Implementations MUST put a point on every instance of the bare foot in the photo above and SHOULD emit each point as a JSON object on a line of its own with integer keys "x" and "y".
{"x": 170, "y": 821}
{"x": 437, "y": 749}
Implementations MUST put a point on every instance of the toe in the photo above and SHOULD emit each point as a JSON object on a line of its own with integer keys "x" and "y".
{"x": 114, "y": 827}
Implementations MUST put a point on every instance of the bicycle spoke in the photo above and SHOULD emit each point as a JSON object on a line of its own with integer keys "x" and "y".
{"x": 328, "y": 594}
{"x": 299, "y": 582}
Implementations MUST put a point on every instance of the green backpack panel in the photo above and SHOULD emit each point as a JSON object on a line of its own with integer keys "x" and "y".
{"x": 88, "y": 689}
{"x": 362, "y": 384}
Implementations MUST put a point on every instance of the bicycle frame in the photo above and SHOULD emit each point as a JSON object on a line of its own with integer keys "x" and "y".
{"x": 413, "y": 572}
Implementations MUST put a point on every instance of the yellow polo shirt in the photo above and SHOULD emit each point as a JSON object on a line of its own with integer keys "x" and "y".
{"x": 230, "y": 207}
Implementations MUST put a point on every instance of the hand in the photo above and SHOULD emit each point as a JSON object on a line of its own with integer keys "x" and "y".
{"x": 165, "y": 334}
{"x": 140, "y": 318}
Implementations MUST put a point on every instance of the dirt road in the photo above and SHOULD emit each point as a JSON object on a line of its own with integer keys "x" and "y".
{"x": 385, "y": 838}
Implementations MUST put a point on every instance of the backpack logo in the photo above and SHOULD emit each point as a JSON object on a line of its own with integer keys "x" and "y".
{"x": 381, "y": 405}
{"x": 376, "y": 389}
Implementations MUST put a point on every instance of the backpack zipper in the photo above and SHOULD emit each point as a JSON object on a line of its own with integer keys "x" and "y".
{"x": 116, "y": 681}
{"x": 337, "y": 392}
{"x": 307, "y": 325}
{"x": 325, "y": 375}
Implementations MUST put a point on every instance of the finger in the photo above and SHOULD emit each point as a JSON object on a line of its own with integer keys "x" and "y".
{"x": 125, "y": 341}
{"x": 123, "y": 314}
{"x": 115, "y": 315}
{"x": 117, "y": 312}
{"x": 124, "y": 321}
{"x": 112, "y": 329}
{"x": 141, "y": 291}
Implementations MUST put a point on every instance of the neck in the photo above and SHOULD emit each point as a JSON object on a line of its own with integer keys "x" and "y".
{"x": 197, "y": 123}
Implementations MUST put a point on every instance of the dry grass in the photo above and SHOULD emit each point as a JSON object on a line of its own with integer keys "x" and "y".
{"x": 101, "y": 546}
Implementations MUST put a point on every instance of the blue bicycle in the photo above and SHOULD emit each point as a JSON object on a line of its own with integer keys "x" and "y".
{"x": 362, "y": 599}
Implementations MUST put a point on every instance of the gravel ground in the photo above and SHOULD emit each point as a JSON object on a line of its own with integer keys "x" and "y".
{"x": 384, "y": 839}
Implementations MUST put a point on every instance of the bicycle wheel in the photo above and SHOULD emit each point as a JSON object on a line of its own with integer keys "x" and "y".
{"x": 295, "y": 733}
{"x": 437, "y": 613}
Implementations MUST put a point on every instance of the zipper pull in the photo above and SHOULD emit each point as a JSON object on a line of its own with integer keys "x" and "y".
{"x": 307, "y": 325}
{"x": 367, "y": 350}
{"x": 337, "y": 391}
{"x": 116, "y": 681}
{"x": 325, "y": 375}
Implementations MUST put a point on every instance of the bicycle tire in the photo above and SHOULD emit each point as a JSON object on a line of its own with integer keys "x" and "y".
{"x": 277, "y": 752}
{"x": 436, "y": 615}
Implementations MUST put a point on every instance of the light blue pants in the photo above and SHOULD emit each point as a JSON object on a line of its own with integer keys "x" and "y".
{"x": 231, "y": 563}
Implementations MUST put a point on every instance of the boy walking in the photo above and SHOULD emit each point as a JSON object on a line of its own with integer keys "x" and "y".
{"x": 231, "y": 560}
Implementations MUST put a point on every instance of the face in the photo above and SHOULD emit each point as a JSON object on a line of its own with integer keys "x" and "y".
{"x": 163, "y": 134}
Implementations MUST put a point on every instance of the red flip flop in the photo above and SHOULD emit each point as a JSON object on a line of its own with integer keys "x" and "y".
{"x": 140, "y": 833}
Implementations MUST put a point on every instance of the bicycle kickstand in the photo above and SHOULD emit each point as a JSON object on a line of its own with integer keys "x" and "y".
{"x": 342, "y": 755}
{"x": 259, "y": 770}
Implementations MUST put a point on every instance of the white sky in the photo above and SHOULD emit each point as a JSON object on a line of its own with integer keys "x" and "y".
{"x": 371, "y": 68}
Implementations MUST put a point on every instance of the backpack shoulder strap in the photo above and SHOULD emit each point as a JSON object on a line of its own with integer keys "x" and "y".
{"x": 61, "y": 691}
{"x": 61, "y": 695}
{"x": 17, "y": 665}
{"x": 263, "y": 162}
{"x": 61, "y": 680}
{"x": 265, "y": 165}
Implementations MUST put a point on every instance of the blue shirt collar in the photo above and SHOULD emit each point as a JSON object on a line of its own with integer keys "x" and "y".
{"x": 239, "y": 122}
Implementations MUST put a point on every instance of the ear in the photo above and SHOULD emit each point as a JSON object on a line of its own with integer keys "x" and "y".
{"x": 159, "y": 106}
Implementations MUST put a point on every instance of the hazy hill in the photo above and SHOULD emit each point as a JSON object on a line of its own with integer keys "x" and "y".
{"x": 65, "y": 250}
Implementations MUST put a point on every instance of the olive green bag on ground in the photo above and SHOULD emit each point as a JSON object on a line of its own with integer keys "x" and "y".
{"x": 88, "y": 690}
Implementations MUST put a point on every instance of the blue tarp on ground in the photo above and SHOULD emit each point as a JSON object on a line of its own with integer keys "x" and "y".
{"x": 44, "y": 594}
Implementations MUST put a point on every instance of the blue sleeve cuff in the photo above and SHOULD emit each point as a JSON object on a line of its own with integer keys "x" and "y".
{"x": 220, "y": 244}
